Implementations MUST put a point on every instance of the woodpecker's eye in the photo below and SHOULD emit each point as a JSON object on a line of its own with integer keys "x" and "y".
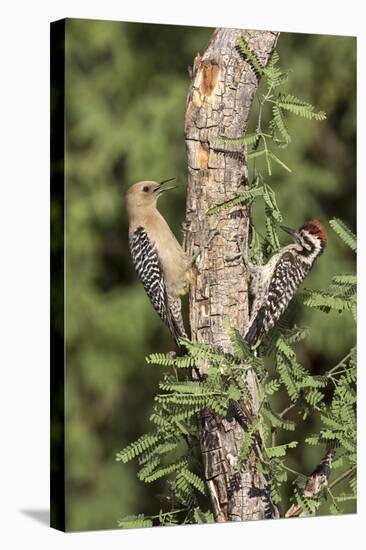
{"x": 146, "y": 189}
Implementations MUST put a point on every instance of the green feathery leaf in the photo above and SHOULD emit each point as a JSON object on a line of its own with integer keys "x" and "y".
{"x": 279, "y": 161}
{"x": 280, "y": 123}
{"x": 240, "y": 198}
{"x": 134, "y": 449}
{"x": 135, "y": 522}
{"x": 344, "y": 233}
{"x": 249, "y": 55}
{"x": 276, "y": 420}
{"x": 248, "y": 139}
{"x": 280, "y": 450}
{"x": 157, "y": 474}
{"x": 299, "y": 107}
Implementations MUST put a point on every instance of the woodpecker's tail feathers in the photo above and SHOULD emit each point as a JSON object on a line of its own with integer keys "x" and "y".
{"x": 255, "y": 330}
{"x": 175, "y": 321}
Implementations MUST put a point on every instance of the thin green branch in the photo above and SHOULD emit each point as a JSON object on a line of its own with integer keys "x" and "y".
{"x": 342, "y": 477}
{"x": 287, "y": 409}
{"x": 340, "y": 364}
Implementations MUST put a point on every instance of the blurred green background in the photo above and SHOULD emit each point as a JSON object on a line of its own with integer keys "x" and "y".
{"x": 126, "y": 87}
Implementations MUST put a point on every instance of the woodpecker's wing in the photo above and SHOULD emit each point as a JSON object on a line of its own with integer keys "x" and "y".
{"x": 287, "y": 277}
{"x": 148, "y": 267}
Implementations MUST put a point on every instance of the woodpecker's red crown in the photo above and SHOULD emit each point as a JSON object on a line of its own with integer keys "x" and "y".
{"x": 315, "y": 228}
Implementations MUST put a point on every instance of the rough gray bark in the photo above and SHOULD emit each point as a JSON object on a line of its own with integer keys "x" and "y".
{"x": 219, "y": 102}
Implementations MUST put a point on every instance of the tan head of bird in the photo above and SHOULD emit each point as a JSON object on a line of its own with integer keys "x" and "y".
{"x": 145, "y": 194}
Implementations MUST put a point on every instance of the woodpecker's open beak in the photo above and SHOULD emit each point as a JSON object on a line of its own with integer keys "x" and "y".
{"x": 290, "y": 231}
{"x": 161, "y": 189}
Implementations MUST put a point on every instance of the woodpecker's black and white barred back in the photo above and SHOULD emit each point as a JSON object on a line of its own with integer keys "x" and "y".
{"x": 274, "y": 284}
{"x": 149, "y": 270}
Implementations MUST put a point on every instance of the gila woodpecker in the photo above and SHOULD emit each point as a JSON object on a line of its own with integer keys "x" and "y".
{"x": 274, "y": 284}
{"x": 159, "y": 260}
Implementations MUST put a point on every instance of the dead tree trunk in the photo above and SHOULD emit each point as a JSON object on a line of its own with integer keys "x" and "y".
{"x": 219, "y": 102}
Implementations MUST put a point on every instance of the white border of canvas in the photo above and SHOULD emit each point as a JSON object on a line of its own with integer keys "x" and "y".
{"x": 24, "y": 304}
